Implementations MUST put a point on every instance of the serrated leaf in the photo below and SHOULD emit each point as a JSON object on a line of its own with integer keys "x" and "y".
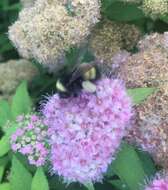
{"x": 3, "y": 162}
{"x": 39, "y": 181}
{"x": 20, "y": 178}
{"x": 5, "y": 113}
{"x": 128, "y": 167}
{"x": 5, "y": 140}
{"x": 21, "y": 103}
{"x": 138, "y": 95}
{"x": 5, "y": 186}
{"x": 120, "y": 11}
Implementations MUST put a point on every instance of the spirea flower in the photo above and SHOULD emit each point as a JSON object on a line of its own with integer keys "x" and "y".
{"x": 112, "y": 70}
{"x": 154, "y": 40}
{"x": 87, "y": 130}
{"x": 12, "y": 73}
{"x": 160, "y": 182}
{"x": 155, "y": 8}
{"x": 49, "y": 28}
{"x": 111, "y": 37}
{"x": 145, "y": 68}
{"x": 30, "y": 139}
{"x": 150, "y": 127}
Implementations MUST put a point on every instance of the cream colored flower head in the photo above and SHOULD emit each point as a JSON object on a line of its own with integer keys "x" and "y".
{"x": 112, "y": 37}
{"x": 155, "y": 8}
{"x": 50, "y": 27}
{"x": 12, "y": 73}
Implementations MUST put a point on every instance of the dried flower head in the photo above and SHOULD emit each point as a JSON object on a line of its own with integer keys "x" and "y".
{"x": 12, "y": 73}
{"x": 30, "y": 139}
{"x": 112, "y": 70}
{"x": 87, "y": 130}
{"x": 146, "y": 68}
{"x": 112, "y": 37}
{"x": 160, "y": 182}
{"x": 150, "y": 131}
{"x": 154, "y": 40}
{"x": 49, "y": 28}
{"x": 155, "y": 8}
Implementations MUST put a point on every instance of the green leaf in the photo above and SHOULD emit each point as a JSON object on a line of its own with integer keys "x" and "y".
{"x": 120, "y": 11}
{"x": 3, "y": 163}
{"x": 148, "y": 164}
{"x": 20, "y": 178}
{"x": 5, "y": 186}
{"x": 21, "y": 103}
{"x": 129, "y": 168}
{"x": 164, "y": 18}
{"x": 5, "y": 113}
{"x": 39, "y": 181}
{"x": 109, "y": 172}
{"x": 5, "y": 140}
{"x": 138, "y": 95}
{"x": 6, "y": 47}
{"x": 89, "y": 186}
{"x": 119, "y": 185}
{"x": 4, "y": 145}
{"x": 14, "y": 7}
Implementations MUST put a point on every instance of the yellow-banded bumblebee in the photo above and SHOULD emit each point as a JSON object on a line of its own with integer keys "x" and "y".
{"x": 81, "y": 77}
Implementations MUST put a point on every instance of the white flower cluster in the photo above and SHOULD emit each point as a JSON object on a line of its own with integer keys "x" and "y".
{"x": 50, "y": 27}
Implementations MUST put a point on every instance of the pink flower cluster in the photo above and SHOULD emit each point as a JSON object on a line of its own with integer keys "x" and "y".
{"x": 30, "y": 139}
{"x": 87, "y": 130}
{"x": 159, "y": 183}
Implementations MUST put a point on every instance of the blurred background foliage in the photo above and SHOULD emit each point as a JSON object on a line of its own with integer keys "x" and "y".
{"x": 8, "y": 13}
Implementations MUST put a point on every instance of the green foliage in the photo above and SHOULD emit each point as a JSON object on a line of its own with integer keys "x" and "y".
{"x": 8, "y": 13}
{"x": 119, "y": 184}
{"x": 120, "y": 11}
{"x": 39, "y": 181}
{"x": 130, "y": 167}
{"x": 138, "y": 95}
{"x": 21, "y": 103}
{"x": 89, "y": 186}
{"x": 4, "y": 141}
{"x": 3, "y": 163}
{"x": 5, "y": 113}
{"x": 5, "y": 186}
{"x": 20, "y": 178}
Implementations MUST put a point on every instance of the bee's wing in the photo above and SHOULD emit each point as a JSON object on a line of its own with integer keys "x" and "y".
{"x": 79, "y": 71}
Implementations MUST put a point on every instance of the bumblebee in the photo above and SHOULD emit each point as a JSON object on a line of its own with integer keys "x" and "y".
{"x": 81, "y": 77}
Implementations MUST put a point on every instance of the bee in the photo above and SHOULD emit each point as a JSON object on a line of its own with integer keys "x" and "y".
{"x": 81, "y": 77}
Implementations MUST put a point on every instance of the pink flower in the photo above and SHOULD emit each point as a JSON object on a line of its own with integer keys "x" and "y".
{"x": 30, "y": 140}
{"x": 87, "y": 130}
{"x": 159, "y": 183}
